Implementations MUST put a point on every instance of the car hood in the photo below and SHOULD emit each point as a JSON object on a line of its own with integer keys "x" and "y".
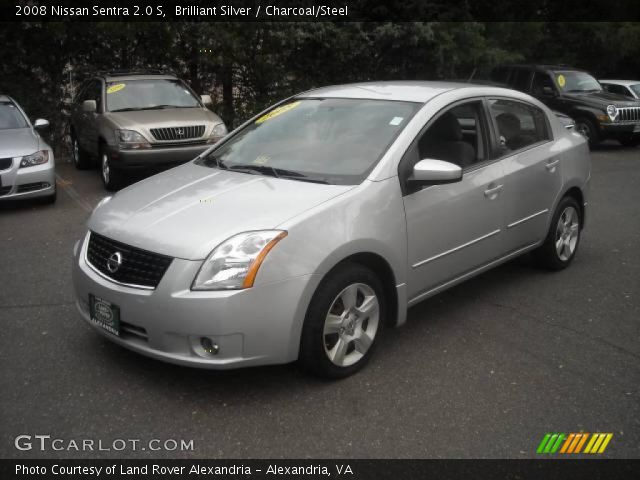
{"x": 18, "y": 142}
{"x": 187, "y": 211}
{"x": 602, "y": 99}
{"x": 169, "y": 117}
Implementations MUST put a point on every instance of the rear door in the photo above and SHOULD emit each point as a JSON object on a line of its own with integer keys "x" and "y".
{"x": 532, "y": 169}
{"x": 86, "y": 122}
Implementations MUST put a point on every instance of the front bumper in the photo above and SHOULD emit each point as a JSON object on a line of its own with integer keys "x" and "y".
{"x": 256, "y": 326}
{"x": 30, "y": 182}
{"x": 624, "y": 129}
{"x": 155, "y": 157}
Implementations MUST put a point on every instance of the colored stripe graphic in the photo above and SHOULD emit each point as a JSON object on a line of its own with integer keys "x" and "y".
{"x": 572, "y": 443}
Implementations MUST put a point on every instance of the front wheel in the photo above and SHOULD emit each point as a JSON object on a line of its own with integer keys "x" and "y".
{"x": 81, "y": 159}
{"x": 560, "y": 246}
{"x": 343, "y": 322}
{"x": 588, "y": 130}
{"x": 111, "y": 178}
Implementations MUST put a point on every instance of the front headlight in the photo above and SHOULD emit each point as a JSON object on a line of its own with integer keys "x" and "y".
{"x": 612, "y": 112}
{"x": 235, "y": 262}
{"x": 131, "y": 139}
{"x": 34, "y": 159}
{"x": 219, "y": 131}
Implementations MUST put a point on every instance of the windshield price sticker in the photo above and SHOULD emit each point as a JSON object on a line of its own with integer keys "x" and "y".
{"x": 278, "y": 111}
{"x": 561, "y": 81}
{"x": 116, "y": 88}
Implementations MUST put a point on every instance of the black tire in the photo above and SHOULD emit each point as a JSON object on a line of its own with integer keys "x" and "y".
{"x": 588, "y": 129}
{"x": 314, "y": 347}
{"x": 111, "y": 178}
{"x": 548, "y": 255}
{"x": 81, "y": 159}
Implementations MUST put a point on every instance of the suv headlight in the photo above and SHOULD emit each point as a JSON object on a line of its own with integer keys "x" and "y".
{"x": 612, "y": 111}
{"x": 219, "y": 131}
{"x": 235, "y": 262}
{"x": 34, "y": 159}
{"x": 131, "y": 139}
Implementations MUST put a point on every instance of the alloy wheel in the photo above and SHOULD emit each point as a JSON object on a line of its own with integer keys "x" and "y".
{"x": 76, "y": 152}
{"x": 567, "y": 232}
{"x": 351, "y": 324}
{"x": 106, "y": 170}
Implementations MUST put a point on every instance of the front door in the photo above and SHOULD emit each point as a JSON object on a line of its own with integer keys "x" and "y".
{"x": 454, "y": 228}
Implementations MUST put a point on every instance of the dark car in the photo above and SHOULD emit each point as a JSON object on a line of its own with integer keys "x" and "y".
{"x": 598, "y": 114}
{"x": 139, "y": 121}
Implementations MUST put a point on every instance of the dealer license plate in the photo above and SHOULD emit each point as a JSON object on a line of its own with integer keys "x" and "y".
{"x": 104, "y": 314}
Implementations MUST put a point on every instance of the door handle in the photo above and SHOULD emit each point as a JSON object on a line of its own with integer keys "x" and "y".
{"x": 492, "y": 192}
{"x": 552, "y": 165}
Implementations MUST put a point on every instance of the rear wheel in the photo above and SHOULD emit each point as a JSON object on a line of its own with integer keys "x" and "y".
{"x": 560, "y": 246}
{"x": 343, "y": 322}
{"x": 111, "y": 177}
{"x": 81, "y": 159}
{"x": 588, "y": 130}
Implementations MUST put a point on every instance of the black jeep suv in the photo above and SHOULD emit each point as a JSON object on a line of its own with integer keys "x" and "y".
{"x": 598, "y": 114}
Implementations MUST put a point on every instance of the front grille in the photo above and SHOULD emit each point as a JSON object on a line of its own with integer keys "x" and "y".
{"x": 178, "y": 133}
{"x": 30, "y": 187}
{"x": 5, "y": 163}
{"x": 5, "y": 190}
{"x": 629, "y": 114}
{"x": 138, "y": 268}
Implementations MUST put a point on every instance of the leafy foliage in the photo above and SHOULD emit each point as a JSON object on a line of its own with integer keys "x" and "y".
{"x": 246, "y": 66}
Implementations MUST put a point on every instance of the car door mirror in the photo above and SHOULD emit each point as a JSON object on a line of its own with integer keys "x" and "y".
{"x": 89, "y": 106}
{"x": 206, "y": 99}
{"x": 41, "y": 124}
{"x": 549, "y": 91}
{"x": 434, "y": 172}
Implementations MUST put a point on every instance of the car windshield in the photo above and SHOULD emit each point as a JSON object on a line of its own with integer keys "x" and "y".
{"x": 11, "y": 117}
{"x": 571, "y": 81}
{"x": 636, "y": 88}
{"x": 333, "y": 140}
{"x": 127, "y": 95}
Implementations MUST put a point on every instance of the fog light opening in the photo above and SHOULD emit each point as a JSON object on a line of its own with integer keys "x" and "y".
{"x": 209, "y": 346}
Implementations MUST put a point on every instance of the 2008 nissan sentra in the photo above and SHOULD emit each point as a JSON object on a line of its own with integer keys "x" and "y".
{"x": 321, "y": 220}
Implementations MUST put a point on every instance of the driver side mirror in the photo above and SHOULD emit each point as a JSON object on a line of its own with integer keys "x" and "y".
{"x": 549, "y": 91}
{"x": 89, "y": 106}
{"x": 41, "y": 124}
{"x": 435, "y": 172}
{"x": 206, "y": 99}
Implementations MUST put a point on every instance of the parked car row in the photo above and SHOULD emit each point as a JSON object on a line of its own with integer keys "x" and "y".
{"x": 602, "y": 110}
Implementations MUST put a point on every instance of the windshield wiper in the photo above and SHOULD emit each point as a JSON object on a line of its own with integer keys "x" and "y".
{"x": 275, "y": 172}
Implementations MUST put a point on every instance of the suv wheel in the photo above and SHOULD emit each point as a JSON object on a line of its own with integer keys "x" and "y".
{"x": 588, "y": 130}
{"x": 111, "y": 177}
{"x": 343, "y": 322}
{"x": 560, "y": 246}
{"x": 80, "y": 158}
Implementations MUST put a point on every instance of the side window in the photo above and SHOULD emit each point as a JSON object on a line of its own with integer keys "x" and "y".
{"x": 618, "y": 89}
{"x": 519, "y": 124}
{"x": 456, "y": 136}
{"x": 520, "y": 79}
{"x": 500, "y": 74}
{"x": 542, "y": 84}
{"x": 92, "y": 90}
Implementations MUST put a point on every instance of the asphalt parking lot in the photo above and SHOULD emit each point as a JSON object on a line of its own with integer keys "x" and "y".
{"x": 483, "y": 370}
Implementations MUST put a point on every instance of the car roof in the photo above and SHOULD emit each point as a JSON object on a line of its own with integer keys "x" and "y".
{"x": 542, "y": 66}
{"x": 136, "y": 76}
{"x": 408, "y": 91}
{"x": 621, "y": 82}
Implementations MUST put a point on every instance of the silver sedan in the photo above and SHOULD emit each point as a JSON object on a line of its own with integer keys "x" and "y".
{"x": 27, "y": 168}
{"x": 318, "y": 222}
